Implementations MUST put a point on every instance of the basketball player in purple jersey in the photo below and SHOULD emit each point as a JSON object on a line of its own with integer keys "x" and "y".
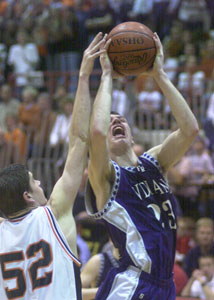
{"x": 131, "y": 193}
{"x": 38, "y": 253}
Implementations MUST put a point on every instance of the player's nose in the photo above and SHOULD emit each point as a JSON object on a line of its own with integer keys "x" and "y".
{"x": 116, "y": 120}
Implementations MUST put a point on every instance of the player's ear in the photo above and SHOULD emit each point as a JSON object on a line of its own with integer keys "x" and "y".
{"x": 27, "y": 197}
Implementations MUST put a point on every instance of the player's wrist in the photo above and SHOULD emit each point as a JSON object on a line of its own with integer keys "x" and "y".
{"x": 107, "y": 74}
{"x": 160, "y": 75}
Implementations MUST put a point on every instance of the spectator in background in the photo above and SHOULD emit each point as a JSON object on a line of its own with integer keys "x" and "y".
{"x": 170, "y": 66}
{"x": 44, "y": 126}
{"x": 188, "y": 51}
{"x": 121, "y": 10}
{"x": 149, "y": 105}
{"x": 29, "y": 111}
{"x": 23, "y": 57}
{"x": 60, "y": 93}
{"x": 162, "y": 11}
{"x": 100, "y": 18}
{"x": 210, "y": 7}
{"x": 194, "y": 15}
{"x": 173, "y": 41}
{"x": 207, "y": 57}
{"x": 120, "y": 101}
{"x": 3, "y": 150}
{"x": 8, "y": 104}
{"x": 201, "y": 283}
{"x": 141, "y": 12}
{"x": 59, "y": 133}
{"x": 189, "y": 174}
{"x": 208, "y": 123}
{"x": 68, "y": 46}
{"x": 16, "y": 138}
{"x": 191, "y": 82}
{"x": 3, "y": 7}
{"x": 40, "y": 36}
{"x": 205, "y": 245}
{"x": 3, "y": 60}
{"x": 185, "y": 237}
{"x": 52, "y": 23}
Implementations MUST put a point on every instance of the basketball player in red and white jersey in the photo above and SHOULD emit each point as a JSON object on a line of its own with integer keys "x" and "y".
{"x": 38, "y": 254}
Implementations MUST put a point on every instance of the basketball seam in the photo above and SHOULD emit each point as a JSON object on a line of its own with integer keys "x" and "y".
{"x": 125, "y": 31}
{"x": 134, "y": 50}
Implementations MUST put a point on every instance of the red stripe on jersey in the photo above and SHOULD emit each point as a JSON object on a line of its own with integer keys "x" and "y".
{"x": 59, "y": 240}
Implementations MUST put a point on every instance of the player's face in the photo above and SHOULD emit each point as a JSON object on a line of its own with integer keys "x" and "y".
{"x": 37, "y": 192}
{"x": 119, "y": 135}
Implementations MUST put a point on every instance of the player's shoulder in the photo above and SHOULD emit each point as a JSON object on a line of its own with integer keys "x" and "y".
{"x": 1, "y": 220}
{"x": 150, "y": 159}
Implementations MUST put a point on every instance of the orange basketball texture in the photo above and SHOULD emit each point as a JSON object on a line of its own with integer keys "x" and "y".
{"x": 132, "y": 49}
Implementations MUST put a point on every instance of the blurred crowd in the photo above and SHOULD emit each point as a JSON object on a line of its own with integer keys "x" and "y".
{"x": 41, "y": 45}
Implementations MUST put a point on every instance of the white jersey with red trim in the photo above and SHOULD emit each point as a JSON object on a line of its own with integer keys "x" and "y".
{"x": 36, "y": 262}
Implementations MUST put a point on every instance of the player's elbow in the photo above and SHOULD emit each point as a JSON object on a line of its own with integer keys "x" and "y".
{"x": 192, "y": 131}
{"x": 97, "y": 134}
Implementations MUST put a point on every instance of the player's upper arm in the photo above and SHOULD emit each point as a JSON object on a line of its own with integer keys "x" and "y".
{"x": 100, "y": 168}
{"x": 65, "y": 190}
{"x": 172, "y": 149}
{"x": 90, "y": 272}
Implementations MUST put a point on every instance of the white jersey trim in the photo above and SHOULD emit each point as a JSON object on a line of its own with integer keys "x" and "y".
{"x": 106, "y": 208}
{"x": 152, "y": 160}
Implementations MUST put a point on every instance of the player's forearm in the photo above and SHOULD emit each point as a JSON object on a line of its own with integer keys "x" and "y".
{"x": 82, "y": 110}
{"x": 182, "y": 113}
{"x": 89, "y": 294}
{"x": 102, "y": 107}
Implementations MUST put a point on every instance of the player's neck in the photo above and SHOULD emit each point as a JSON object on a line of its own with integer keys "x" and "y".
{"x": 21, "y": 213}
{"x": 126, "y": 160}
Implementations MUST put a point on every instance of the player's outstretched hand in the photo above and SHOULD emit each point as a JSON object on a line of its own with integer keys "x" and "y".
{"x": 106, "y": 63}
{"x": 94, "y": 50}
{"x": 159, "y": 59}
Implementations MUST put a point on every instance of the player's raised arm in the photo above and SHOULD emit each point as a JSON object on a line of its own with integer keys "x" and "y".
{"x": 100, "y": 168}
{"x": 65, "y": 190}
{"x": 178, "y": 142}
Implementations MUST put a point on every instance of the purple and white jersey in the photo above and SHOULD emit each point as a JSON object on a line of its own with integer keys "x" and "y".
{"x": 140, "y": 216}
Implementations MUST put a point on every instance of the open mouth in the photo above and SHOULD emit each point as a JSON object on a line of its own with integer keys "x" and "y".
{"x": 118, "y": 131}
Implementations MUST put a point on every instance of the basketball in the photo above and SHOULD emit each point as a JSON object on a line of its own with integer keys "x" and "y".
{"x": 132, "y": 50}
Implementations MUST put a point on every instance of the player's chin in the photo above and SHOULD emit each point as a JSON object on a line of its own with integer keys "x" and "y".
{"x": 119, "y": 142}
{"x": 119, "y": 139}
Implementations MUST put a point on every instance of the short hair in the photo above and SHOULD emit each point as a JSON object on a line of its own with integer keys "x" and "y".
{"x": 31, "y": 90}
{"x": 14, "y": 181}
{"x": 115, "y": 113}
{"x": 204, "y": 222}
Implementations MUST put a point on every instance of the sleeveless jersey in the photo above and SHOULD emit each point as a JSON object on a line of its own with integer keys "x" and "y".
{"x": 36, "y": 262}
{"x": 140, "y": 217}
{"x": 107, "y": 261}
